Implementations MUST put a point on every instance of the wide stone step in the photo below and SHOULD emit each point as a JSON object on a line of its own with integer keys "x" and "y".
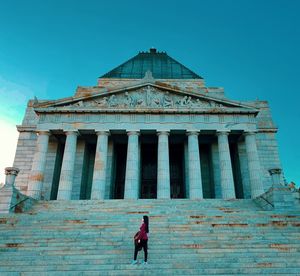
{"x": 105, "y": 264}
{"x": 186, "y": 237}
{"x": 164, "y": 269}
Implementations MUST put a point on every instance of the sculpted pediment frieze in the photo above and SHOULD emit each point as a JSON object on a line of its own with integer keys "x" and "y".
{"x": 147, "y": 97}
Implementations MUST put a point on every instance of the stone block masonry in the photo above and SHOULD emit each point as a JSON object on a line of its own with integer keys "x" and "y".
{"x": 24, "y": 157}
{"x": 188, "y": 237}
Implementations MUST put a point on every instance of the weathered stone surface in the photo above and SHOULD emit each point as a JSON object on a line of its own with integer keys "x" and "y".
{"x": 193, "y": 237}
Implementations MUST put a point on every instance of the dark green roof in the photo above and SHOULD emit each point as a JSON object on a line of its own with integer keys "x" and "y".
{"x": 160, "y": 64}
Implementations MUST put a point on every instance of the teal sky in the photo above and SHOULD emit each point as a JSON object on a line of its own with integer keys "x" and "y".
{"x": 251, "y": 48}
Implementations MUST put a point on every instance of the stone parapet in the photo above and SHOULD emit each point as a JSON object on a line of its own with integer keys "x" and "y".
{"x": 11, "y": 199}
{"x": 278, "y": 197}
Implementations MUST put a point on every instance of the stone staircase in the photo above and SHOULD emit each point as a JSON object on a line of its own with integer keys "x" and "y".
{"x": 188, "y": 237}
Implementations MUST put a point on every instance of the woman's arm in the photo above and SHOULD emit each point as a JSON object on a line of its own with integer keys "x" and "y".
{"x": 142, "y": 232}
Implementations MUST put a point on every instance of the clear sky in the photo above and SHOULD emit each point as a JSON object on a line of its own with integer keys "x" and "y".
{"x": 251, "y": 48}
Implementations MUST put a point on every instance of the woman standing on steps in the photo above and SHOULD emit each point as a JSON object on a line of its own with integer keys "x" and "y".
{"x": 141, "y": 240}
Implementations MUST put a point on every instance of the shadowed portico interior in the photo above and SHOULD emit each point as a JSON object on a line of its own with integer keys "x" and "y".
{"x": 148, "y": 151}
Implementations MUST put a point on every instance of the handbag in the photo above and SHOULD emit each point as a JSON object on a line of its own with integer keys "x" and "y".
{"x": 137, "y": 244}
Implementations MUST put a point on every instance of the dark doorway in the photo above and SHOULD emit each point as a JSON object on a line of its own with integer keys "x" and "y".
{"x": 57, "y": 170}
{"x": 120, "y": 153}
{"x": 206, "y": 171}
{"x": 87, "y": 171}
{"x": 176, "y": 159}
{"x": 237, "y": 178}
{"x": 149, "y": 170}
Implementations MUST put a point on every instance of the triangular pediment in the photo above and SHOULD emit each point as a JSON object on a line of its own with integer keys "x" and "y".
{"x": 148, "y": 96}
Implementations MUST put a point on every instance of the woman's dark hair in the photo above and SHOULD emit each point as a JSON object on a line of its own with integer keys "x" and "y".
{"x": 146, "y": 221}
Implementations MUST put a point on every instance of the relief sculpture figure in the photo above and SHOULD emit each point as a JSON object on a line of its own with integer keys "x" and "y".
{"x": 140, "y": 102}
{"x": 112, "y": 101}
{"x": 196, "y": 103}
{"x": 129, "y": 101}
{"x": 156, "y": 101}
{"x": 102, "y": 102}
{"x": 149, "y": 98}
{"x": 167, "y": 100}
{"x": 185, "y": 101}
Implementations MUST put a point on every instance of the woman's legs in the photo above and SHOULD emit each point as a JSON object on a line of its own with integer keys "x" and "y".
{"x": 144, "y": 244}
{"x": 135, "y": 252}
{"x": 145, "y": 247}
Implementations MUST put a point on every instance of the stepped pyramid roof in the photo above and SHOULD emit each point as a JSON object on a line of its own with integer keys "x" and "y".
{"x": 160, "y": 64}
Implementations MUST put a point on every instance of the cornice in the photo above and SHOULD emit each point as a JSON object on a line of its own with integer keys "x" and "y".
{"x": 26, "y": 128}
{"x": 148, "y": 110}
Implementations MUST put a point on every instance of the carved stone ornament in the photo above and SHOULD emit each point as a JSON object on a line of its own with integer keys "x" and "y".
{"x": 147, "y": 97}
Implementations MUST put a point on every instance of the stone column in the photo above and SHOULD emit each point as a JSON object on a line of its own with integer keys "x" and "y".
{"x": 36, "y": 177}
{"x": 67, "y": 168}
{"x": 10, "y": 175}
{"x": 132, "y": 166}
{"x": 163, "y": 166}
{"x": 195, "y": 180}
{"x": 8, "y": 193}
{"x": 100, "y": 167}
{"x": 227, "y": 183}
{"x": 253, "y": 165}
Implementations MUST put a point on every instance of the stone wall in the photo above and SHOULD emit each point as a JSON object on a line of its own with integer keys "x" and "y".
{"x": 268, "y": 155}
{"x": 23, "y": 158}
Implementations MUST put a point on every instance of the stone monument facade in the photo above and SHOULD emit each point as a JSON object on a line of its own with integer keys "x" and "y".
{"x": 150, "y": 128}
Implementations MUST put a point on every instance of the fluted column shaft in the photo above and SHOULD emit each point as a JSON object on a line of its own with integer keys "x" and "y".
{"x": 67, "y": 168}
{"x": 227, "y": 183}
{"x": 253, "y": 165}
{"x": 195, "y": 180}
{"x": 36, "y": 177}
{"x": 163, "y": 166}
{"x": 132, "y": 167}
{"x": 100, "y": 166}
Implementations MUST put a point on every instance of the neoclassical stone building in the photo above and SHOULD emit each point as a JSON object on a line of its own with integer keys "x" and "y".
{"x": 150, "y": 128}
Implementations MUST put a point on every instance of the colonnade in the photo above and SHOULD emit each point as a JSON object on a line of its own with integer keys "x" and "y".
{"x": 132, "y": 164}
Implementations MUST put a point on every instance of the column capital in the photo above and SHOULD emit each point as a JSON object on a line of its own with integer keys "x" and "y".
{"x": 11, "y": 173}
{"x": 275, "y": 171}
{"x": 222, "y": 132}
{"x": 11, "y": 170}
{"x": 102, "y": 132}
{"x": 192, "y": 132}
{"x": 163, "y": 132}
{"x": 71, "y": 132}
{"x": 133, "y": 132}
{"x": 43, "y": 132}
